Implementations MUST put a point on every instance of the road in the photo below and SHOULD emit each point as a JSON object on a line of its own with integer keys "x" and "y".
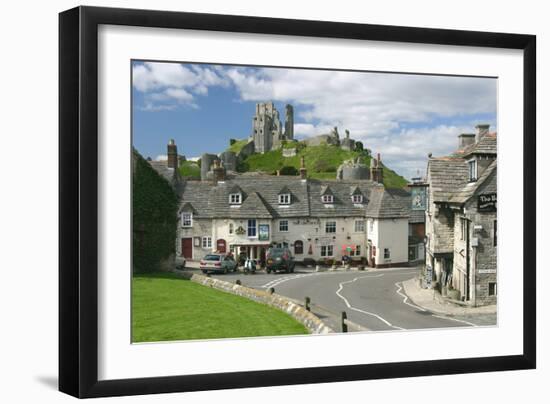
{"x": 373, "y": 299}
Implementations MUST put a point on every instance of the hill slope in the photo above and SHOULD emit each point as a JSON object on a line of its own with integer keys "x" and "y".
{"x": 321, "y": 162}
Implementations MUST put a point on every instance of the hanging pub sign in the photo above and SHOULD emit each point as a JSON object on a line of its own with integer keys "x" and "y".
{"x": 487, "y": 202}
{"x": 263, "y": 232}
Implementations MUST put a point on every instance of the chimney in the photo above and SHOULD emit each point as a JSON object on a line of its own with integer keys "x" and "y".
{"x": 172, "y": 154}
{"x": 466, "y": 139}
{"x": 303, "y": 171}
{"x": 218, "y": 172}
{"x": 482, "y": 130}
{"x": 376, "y": 170}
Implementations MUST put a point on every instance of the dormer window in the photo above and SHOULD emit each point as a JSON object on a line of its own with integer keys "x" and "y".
{"x": 235, "y": 199}
{"x": 327, "y": 198}
{"x": 472, "y": 170}
{"x": 186, "y": 219}
{"x": 284, "y": 199}
{"x": 357, "y": 198}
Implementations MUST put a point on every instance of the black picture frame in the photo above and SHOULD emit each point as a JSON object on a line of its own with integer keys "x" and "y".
{"x": 78, "y": 200}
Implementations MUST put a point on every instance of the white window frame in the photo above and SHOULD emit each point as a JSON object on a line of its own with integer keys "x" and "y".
{"x": 472, "y": 170}
{"x": 183, "y": 220}
{"x": 371, "y": 225}
{"x": 327, "y": 226}
{"x": 361, "y": 225}
{"x": 281, "y": 222}
{"x": 235, "y": 199}
{"x": 328, "y": 199}
{"x": 284, "y": 199}
{"x": 357, "y": 198}
{"x": 248, "y": 227}
{"x": 326, "y": 249}
{"x": 356, "y": 252}
{"x": 206, "y": 242}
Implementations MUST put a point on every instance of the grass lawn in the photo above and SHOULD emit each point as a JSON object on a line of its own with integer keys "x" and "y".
{"x": 168, "y": 308}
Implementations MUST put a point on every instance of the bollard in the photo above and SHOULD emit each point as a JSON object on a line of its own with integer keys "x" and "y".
{"x": 271, "y": 291}
{"x": 308, "y": 301}
{"x": 344, "y": 325}
{"x": 238, "y": 282}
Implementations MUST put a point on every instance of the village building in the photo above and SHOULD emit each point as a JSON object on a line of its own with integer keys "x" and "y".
{"x": 317, "y": 219}
{"x": 461, "y": 220}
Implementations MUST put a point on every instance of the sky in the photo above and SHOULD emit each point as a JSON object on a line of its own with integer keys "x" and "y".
{"x": 401, "y": 116}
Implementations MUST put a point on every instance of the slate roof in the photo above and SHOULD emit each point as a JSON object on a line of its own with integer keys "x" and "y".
{"x": 343, "y": 205}
{"x": 417, "y": 216}
{"x": 171, "y": 175}
{"x": 449, "y": 181}
{"x": 386, "y": 203}
{"x": 260, "y": 198}
{"x": 486, "y": 145}
{"x": 487, "y": 181}
{"x": 446, "y": 176}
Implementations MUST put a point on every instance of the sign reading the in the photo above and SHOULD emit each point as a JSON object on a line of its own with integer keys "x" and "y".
{"x": 487, "y": 202}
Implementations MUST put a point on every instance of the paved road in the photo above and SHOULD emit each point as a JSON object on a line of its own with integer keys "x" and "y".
{"x": 374, "y": 299}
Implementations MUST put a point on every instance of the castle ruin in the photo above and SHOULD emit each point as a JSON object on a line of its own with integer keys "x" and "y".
{"x": 267, "y": 130}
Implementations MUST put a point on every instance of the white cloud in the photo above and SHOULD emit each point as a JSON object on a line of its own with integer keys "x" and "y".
{"x": 375, "y": 107}
{"x": 169, "y": 85}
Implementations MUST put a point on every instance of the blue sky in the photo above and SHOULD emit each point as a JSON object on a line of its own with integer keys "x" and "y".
{"x": 403, "y": 117}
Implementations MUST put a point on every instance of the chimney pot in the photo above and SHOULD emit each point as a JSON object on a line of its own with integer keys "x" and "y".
{"x": 172, "y": 153}
{"x": 482, "y": 130}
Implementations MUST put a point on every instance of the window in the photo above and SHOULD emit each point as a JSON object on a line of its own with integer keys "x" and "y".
{"x": 231, "y": 228}
{"x": 330, "y": 227}
{"x": 386, "y": 253}
{"x": 495, "y": 233}
{"x": 492, "y": 289}
{"x": 472, "y": 170}
{"x": 283, "y": 225}
{"x": 359, "y": 226}
{"x": 356, "y": 252}
{"x": 327, "y": 198}
{"x": 207, "y": 242}
{"x": 252, "y": 228}
{"x": 186, "y": 219}
{"x": 235, "y": 199}
{"x": 298, "y": 247}
{"x": 357, "y": 198}
{"x": 371, "y": 225}
{"x": 327, "y": 251}
{"x": 284, "y": 199}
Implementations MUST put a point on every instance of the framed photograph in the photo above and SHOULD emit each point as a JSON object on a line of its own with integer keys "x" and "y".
{"x": 249, "y": 201}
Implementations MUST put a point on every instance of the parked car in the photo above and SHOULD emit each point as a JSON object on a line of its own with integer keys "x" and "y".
{"x": 279, "y": 259}
{"x": 218, "y": 263}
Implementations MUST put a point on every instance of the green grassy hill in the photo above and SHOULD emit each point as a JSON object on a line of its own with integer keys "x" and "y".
{"x": 321, "y": 162}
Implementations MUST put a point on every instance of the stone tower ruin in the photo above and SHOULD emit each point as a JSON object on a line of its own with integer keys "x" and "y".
{"x": 289, "y": 122}
{"x": 265, "y": 126}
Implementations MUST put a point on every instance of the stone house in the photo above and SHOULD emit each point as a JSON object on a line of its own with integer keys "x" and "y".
{"x": 316, "y": 219}
{"x": 461, "y": 219}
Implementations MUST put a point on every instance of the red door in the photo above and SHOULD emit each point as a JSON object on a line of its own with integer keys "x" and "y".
{"x": 187, "y": 247}
{"x": 221, "y": 246}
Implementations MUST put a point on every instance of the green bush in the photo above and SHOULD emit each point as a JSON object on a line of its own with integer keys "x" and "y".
{"x": 154, "y": 217}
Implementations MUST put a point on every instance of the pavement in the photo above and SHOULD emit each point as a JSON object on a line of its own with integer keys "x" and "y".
{"x": 374, "y": 299}
{"x": 431, "y": 300}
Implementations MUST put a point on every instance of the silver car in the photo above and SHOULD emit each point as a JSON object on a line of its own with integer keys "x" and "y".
{"x": 218, "y": 263}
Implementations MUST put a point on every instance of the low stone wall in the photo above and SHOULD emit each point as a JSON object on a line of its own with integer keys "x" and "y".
{"x": 308, "y": 319}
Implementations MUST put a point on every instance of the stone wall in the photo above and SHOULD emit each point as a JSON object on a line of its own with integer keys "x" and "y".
{"x": 308, "y": 319}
